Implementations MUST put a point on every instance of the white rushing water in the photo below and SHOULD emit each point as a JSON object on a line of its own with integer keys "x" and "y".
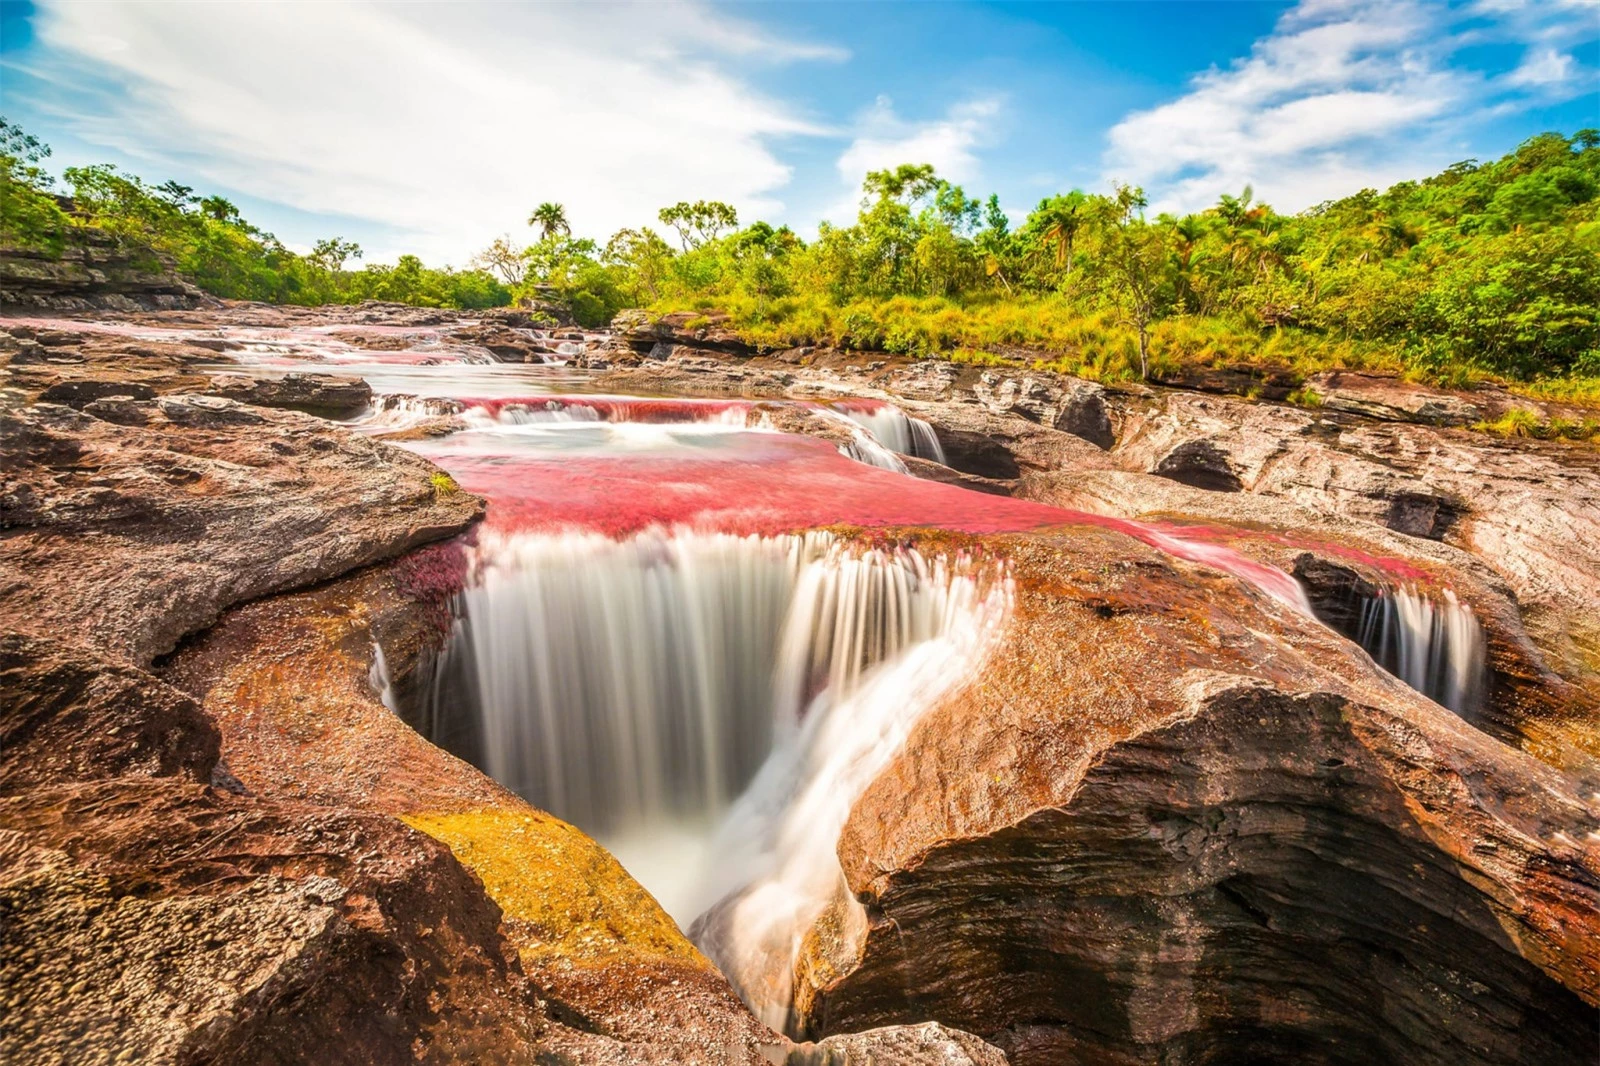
{"x": 1435, "y": 645}
{"x": 640, "y": 687}
{"x": 897, "y": 431}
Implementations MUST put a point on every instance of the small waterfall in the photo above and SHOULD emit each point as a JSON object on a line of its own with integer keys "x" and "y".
{"x": 895, "y": 430}
{"x": 1435, "y": 645}
{"x": 378, "y": 677}
{"x": 618, "y": 680}
{"x": 534, "y": 413}
{"x": 863, "y": 446}
{"x": 642, "y": 410}
{"x": 397, "y": 410}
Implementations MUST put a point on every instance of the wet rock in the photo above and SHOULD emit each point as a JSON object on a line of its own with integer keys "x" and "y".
{"x": 333, "y": 395}
{"x": 1261, "y": 847}
{"x": 132, "y": 535}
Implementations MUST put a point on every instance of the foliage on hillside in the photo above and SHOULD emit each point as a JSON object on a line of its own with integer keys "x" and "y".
{"x": 206, "y": 240}
{"x": 1490, "y": 269}
{"x": 1484, "y": 269}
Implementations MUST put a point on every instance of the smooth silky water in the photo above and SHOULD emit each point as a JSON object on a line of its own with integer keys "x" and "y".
{"x": 710, "y": 705}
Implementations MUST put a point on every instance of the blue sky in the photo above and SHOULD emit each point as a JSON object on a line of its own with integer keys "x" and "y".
{"x": 435, "y": 128}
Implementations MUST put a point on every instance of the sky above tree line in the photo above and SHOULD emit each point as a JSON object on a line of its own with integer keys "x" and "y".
{"x": 434, "y": 128}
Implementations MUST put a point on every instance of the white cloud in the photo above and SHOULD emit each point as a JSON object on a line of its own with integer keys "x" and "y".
{"x": 1343, "y": 94}
{"x": 1544, "y": 66}
{"x": 446, "y": 123}
{"x": 883, "y": 139}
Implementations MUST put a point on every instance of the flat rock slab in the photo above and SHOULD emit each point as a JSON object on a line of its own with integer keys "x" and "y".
{"x": 131, "y": 530}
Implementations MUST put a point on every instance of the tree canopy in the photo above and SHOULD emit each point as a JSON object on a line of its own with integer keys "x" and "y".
{"x": 1484, "y": 268}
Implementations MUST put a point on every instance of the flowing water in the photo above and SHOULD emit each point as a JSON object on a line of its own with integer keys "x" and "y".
{"x": 652, "y": 645}
{"x": 1434, "y": 644}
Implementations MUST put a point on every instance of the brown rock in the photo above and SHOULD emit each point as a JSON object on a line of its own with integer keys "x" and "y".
{"x": 1264, "y": 848}
{"x": 332, "y": 395}
{"x": 133, "y": 535}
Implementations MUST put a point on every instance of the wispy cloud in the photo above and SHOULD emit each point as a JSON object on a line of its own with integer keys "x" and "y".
{"x": 446, "y": 124}
{"x": 883, "y": 139}
{"x": 1343, "y": 94}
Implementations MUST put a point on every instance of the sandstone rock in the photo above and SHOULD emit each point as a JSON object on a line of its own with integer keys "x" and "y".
{"x": 333, "y": 395}
{"x": 132, "y": 535}
{"x": 1263, "y": 849}
{"x": 1530, "y": 511}
{"x": 67, "y": 718}
{"x": 150, "y": 917}
{"x": 81, "y": 391}
{"x": 1392, "y": 400}
{"x": 203, "y": 411}
{"x": 928, "y": 1044}
{"x": 643, "y": 330}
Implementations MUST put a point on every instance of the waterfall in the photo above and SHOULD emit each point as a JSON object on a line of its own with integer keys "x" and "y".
{"x": 378, "y": 677}
{"x": 774, "y": 860}
{"x": 636, "y": 687}
{"x": 1437, "y": 646}
{"x": 895, "y": 430}
{"x": 398, "y": 410}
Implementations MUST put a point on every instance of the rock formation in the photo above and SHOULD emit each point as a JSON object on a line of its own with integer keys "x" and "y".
{"x": 1261, "y": 850}
{"x": 237, "y": 852}
{"x": 94, "y": 272}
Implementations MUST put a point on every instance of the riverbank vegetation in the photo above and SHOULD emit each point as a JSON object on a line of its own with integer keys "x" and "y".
{"x": 205, "y": 238}
{"x": 1483, "y": 270}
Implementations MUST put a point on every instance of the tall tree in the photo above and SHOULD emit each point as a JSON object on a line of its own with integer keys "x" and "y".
{"x": 700, "y": 222}
{"x": 1134, "y": 257}
{"x": 504, "y": 258}
{"x": 1056, "y": 222}
{"x": 331, "y": 253}
{"x": 551, "y": 219}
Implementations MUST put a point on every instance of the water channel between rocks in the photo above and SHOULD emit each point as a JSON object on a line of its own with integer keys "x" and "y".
{"x": 658, "y": 643}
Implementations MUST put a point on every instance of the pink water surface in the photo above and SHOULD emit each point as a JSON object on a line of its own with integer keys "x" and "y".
{"x": 767, "y": 483}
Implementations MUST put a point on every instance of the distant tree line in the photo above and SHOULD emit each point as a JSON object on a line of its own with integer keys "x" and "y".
{"x": 206, "y": 240}
{"x": 1485, "y": 268}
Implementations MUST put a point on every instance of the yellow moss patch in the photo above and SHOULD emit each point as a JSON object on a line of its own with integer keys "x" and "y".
{"x": 566, "y": 900}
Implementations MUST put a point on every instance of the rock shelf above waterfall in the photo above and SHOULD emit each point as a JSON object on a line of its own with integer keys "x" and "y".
{"x": 628, "y": 700}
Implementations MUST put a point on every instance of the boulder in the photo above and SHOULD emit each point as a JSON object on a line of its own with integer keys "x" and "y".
{"x": 152, "y": 918}
{"x": 130, "y": 534}
{"x": 1261, "y": 849}
{"x": 332, "y": 395}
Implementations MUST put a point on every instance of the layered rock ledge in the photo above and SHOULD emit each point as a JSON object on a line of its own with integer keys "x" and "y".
{"x": 219, "y": 843}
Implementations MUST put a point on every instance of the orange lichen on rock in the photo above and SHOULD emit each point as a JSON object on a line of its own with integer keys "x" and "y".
{"x": 567, "y": 902}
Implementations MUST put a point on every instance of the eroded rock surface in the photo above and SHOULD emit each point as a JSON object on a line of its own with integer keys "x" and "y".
{"x": 130, "y": 530}
{"x": 1261, "y": 848}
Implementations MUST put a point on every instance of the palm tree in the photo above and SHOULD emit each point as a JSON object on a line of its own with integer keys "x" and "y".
{"x": 1187, "y": 233}
{"x": 551, "y": 219}
{"x": 1062, "y": 219}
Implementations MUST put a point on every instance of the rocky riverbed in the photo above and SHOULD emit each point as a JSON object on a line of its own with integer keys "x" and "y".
{"x": 1175, "y": 814}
